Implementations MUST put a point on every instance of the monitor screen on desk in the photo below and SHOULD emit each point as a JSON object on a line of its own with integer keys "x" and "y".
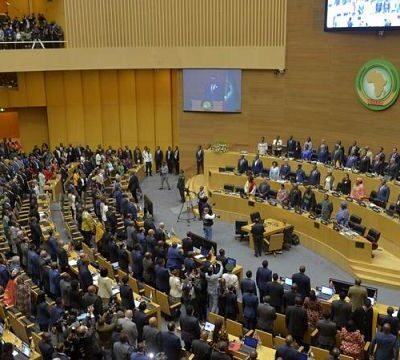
{"x": 25, "y": 349}
{"x": 340, "y": 285}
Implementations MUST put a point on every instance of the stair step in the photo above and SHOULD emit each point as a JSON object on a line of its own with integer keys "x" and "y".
{"x": 373, "y": 279}
{"x": 389, "y": 270}
{"x": 376, "y": 272}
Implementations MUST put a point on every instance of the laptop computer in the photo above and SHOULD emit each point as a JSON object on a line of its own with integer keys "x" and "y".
{"x": 287, "y": 284}
{"x": 326, "y": 293}
{"x": 209, "y": 327}
{"x": 372, "y": 300}
{"x": 22, "y": 354}
{"x": 249, "y": 344}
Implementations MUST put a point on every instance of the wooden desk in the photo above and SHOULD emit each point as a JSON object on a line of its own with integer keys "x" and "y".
{"x": 323, "y": 239}
{"x": 271, "y": 226}
{"x": 212, "y": 161}
{"x": 263, "y": 352}
{"x": 388, "y": 226}
{"x": 9, "y": 337}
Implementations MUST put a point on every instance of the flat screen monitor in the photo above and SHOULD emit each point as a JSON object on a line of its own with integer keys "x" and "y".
{"x": 357, "y": 15}
{"x": 212, "y": 90}
{"x": 288, "y": 281}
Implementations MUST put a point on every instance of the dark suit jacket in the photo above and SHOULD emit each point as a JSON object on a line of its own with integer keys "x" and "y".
{"x": 201, "y": 350}
{"x": 257, "y": 168}
{"x": 140, "y": 319}
{"x": 159, "y": 156}
{"x": 242, "y": 166}
{"x": 86, "y": 277}
{"x": 200, "y": 156}
{"x": 162, "y": 278}
{"x": 263, "y": 276}
{"x": 340, "y": 312}
{"x": 216, "y": 355}
{"x": 170, "y": 344}
{"x": 250, "y": 304}
{"x": 303, "y": 284}
{"x": 296, "y": 320}
{"x": 190, "y": 328}
{"x": 126, "y": 297}
{"x": 258, "y": 231}
{"x": 386, "y": 346}
{"x": 286, "y": 352}
{"x": 393, "y": 321}
{"x": 275, "y": 292}
{"x": 231, "y": 305}
{"x": 247, "y": 284}
{"x": 327, "y": 332}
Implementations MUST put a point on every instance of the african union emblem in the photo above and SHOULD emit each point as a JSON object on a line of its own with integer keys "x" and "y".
{"x": 378, "y": 84}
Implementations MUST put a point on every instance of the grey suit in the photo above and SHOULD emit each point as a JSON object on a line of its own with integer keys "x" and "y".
{"x": 266, "y": 315}
{"x": 150, "y": 337}
{"x": 130, "y": 329}
{"x": 121, "y": 351}
{"x": 341, "y": 313}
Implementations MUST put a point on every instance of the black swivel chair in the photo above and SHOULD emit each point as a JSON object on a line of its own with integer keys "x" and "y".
{"x": 373, "y": 236}
{"x": 241, "y": 235}
{"x": 272, "y": 194}
{"x": 358, "y": 228}
{"x": 287, "y": 237}
{"x": 355, "y": 219}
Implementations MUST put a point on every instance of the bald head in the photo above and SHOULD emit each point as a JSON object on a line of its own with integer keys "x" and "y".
{"x": 204, "y": 335}
{"x": 289, "y": 340}
{"x": 91, "y": 289}
{"x": 129, "y": 314}
{"x": 253, "y": 355}
{"x": 386, "y": 328}
{"x": 153, "y": 322}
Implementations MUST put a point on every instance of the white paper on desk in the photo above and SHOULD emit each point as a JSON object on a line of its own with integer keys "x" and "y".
{"x": 137, "y": 303}
{"x": 72, "y": 262}
{"x": 198, "y": 257}
{"x": 115, "y": 291}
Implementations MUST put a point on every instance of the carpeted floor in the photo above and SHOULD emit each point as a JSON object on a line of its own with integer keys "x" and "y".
{"x": 167, "y": 207}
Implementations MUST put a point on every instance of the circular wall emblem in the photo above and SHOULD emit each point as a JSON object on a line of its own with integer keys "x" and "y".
{"x": 378, "y": 84}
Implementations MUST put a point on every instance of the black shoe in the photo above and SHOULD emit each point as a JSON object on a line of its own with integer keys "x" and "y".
{"x": 161, "y": 189}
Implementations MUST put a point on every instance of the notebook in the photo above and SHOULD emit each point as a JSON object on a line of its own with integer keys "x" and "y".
{"x": 209, "y": 327}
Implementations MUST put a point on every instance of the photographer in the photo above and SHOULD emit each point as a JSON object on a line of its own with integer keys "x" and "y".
{"x": 201, "y": 200}
{"x": 181, "y": 185}
{"x": 208, "y": 222}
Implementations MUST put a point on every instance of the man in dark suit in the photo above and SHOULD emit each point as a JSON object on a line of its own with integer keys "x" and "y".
{"x": 85, "y": 277}
{"x": 266, "y": 315}
{"x": 263, "y": 276}
{"x": 242, "y": 165}
{"x": 220, "y": 352}
{"x": 134, "y": 186}
{"x": 257, "y": 230}
{"x": 158, "y": 158}
{"x": 327, "y": 332}
{"x": 287, "y": 351}
{"x": 140, "y": 319}
{"x": 200, "y": 347}
{"x": 176, "y": 160}
{"x": 187, "y": 243}
{"x": 341, "y": 311}
{"x": 169, "y": 157}
{"x": 250, "y": 305}
{"x": 126, "y": 294}
{"x": 391, "y": 320}
{"x": 190, "y": 327}
{"x": 302, "y": 281}
{"x": 45, "y": 346}
{"x": 257, "y": 167}
{"x": 275, "y": 291}
{"x": 296, "y": 320}
{"x": 363, "y": 317}
{"x": 170, "y": 344}
{"x": 36, "y": 232}
{"x": 247, "y": 283}
{"x": 162, "y": 276}
{"x": 291, "y": 147}
{"x": 200, "y": 160}
{"x": 386, "y": 345}
{"x": 315, "y": 176}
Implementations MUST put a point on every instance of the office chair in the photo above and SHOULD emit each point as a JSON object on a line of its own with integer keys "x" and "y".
{"x": 241, "y": 235}
{"x": 272, "y": 194}
{"x": 355, "y": 219}
{"x": 274, "y": 244}
{"x": 229, "y": 187}
{"x": 287, "y": 237}
{"x": 358, "y": 228}
{"x": 318, "y": 210}
{"x": 254, "y": 216}
{"x": 373, "y": 236}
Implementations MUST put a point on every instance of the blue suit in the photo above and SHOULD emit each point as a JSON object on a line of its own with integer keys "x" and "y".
{"x": 137, "y": 264}
{"x": 386, "y": 346}
{"x": 170, "y": 345}
{"x": 33, "y": 266}
{"x": 56, "y": 313}
{"x": 300, "y": 176}
{"x": 285, "y": 170}
{"x": 242, "y": 166}
{"x": 54, "y": 279}
{"x": 162, "y": 278}
{"x": 86, "y": 277}
{"x": 263, "y": 276}
{"x": 258, "y": 167}
{"x": 174, "y": 258}
{"x": 383, "y": 193}
{"x": 314, "y": 178}
{"x": 250, "y": 304}
{"x": 52, "y": 245}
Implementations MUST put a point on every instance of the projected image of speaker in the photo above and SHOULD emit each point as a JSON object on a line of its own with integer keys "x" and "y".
{"x": 212, "y": 90}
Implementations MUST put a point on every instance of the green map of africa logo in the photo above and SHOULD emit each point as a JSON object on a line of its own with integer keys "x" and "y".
{"x": 378, "y": 80}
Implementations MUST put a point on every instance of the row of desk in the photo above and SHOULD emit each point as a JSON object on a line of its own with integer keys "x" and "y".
{"x": 212, "y": 161}
{"x": 388, "y": 226}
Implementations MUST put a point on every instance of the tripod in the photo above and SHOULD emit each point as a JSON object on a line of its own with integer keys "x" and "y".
{"x": 187, "y": 212}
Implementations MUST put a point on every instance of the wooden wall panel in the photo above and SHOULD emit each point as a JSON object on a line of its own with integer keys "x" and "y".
{"x": 162, "y": 108}
{"x": 316, "y": 97}
{"x": 33, "y": 127}
{"x": 9, "y": 125}
{"x": 145, "y": 108}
